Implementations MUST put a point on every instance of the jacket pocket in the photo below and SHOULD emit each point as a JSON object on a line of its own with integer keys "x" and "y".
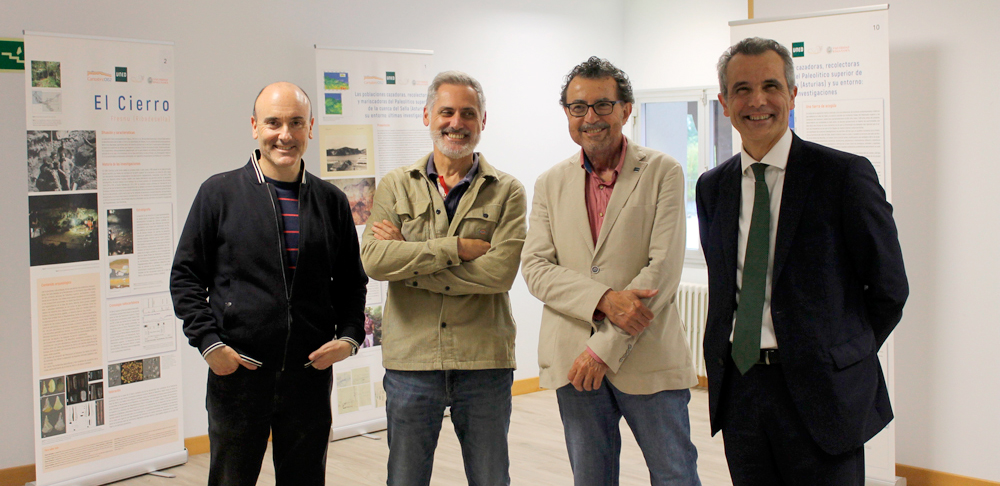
{"x": 854, "y": 350}
{"x": 414, "y": 218}
{"x": 235, "y": 314}
{"x": 481, "y": 222}
{"x": 225, "y": 295}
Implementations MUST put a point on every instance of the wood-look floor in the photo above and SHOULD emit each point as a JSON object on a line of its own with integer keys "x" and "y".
{"x": 537, "y": 453}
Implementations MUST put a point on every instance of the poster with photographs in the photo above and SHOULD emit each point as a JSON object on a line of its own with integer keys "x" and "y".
{"x": 72, "y": 403}
{"x": 360, "y": 195}
{"x": 53, "y": 406}
{"x": 346, "y": 150}
{"x": 373, "y": 326}
{"x": 45, "y": 102}
{"x": 119, "y": 232}
{"x": 63, "y": 228}
{"x": 46, "y": 74}
{"x": 371, "y": 123}
{"x": 118, "y": 275}
{"x": 334, "y": 104}
{"x": 336, "y": 81}
{"x": 64, "y": 160}
{"x": 101, "y": 164}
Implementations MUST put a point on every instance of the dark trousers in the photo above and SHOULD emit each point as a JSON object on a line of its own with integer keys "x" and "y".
{"x": 766, "y": 442}
{"x": 247, "y": 406}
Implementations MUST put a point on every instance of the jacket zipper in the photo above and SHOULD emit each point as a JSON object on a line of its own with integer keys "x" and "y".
{"x": 284, "y": 280}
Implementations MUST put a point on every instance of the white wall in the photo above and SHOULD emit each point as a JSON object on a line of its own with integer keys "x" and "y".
{"x": 675, "y": 44}
{"x": 946, "y": 366}
{"x": 943, "y": 65}
{"x": 227, "y": 50}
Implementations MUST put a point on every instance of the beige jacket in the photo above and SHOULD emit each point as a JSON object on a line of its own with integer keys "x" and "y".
{"x": 640, "y": 246}
{"x": 443, "y": 313}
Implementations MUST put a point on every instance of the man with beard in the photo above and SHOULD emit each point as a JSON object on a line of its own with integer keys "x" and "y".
{"x": 447, "y": 232}
{"x": 604, "y": 254}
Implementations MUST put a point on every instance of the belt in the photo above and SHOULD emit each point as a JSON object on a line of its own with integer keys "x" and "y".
{"x": 769, "y": 357}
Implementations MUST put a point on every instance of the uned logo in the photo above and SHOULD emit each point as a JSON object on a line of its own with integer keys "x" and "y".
{"x": 798, "y": 49}
{"x": 390, "y": 77}
{"x": 121, "y": 74}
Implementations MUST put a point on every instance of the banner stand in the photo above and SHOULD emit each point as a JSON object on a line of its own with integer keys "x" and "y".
{"x": 101, "y": 188}
{"x": 371, "y": 122}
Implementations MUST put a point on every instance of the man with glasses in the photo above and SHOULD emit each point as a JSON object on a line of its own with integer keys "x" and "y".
{"x": 604, "y": 253}
{"x": 446, "y": 232}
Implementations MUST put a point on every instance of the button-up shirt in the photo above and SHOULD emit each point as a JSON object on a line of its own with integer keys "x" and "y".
{"x": 452, "y": 195}
{"x": 598, "y": 192}
{"x": 774, "y": 175}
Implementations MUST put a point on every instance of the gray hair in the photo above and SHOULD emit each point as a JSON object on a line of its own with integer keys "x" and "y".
{"x": 597, "y": 68}
{"x": 755, "y": 46}
{"x": 458, "y": 78}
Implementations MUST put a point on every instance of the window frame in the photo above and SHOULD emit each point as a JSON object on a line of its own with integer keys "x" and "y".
{"x": 702, "y": 95}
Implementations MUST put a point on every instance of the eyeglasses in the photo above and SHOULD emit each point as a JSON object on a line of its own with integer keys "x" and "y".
{"x": 602, "y": 108}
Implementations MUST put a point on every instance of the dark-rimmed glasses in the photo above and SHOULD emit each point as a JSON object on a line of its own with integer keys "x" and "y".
{"x": 602, "y": 108}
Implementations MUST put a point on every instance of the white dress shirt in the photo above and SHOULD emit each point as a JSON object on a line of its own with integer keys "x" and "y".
{"x": 774, "y": 175}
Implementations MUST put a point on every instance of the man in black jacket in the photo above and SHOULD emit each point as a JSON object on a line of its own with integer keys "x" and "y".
{"x": 268, "y": 280}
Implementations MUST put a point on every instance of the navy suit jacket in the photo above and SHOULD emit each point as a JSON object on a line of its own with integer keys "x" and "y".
{"x": 838, "y": 288}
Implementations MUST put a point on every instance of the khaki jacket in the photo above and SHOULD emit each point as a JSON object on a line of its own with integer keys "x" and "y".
{"x": 640, "y": 246}
{"x": 443, "y": 313}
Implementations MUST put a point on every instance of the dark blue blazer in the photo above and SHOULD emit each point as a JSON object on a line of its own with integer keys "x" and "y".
{"x": 838, "y": 288}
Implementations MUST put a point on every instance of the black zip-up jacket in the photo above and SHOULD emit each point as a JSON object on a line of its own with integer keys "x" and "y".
{"x": 228, "y": 279}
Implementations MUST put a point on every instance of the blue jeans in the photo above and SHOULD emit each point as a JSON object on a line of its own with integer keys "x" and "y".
{"x": 659, "y": 422}
{"x": 480, "y": 410}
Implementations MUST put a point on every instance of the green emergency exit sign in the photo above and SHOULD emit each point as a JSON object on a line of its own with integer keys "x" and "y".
{"x": 11, "y": 54}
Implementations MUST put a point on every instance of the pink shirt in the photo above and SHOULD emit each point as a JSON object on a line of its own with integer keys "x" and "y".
{"x": 598, "y": 192}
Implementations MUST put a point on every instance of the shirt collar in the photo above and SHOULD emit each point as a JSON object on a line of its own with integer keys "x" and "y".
{"x": 433, "y": 175}
{"x": 585, "y": 162}
{"x": 776, "y": 157}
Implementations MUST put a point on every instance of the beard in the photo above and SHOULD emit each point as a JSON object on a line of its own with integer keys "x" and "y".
{"x": 441, "y": 143}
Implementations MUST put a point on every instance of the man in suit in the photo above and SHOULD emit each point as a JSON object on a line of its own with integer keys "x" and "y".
{"x": 806, "y": 282}
{"x": 604, "y": 252}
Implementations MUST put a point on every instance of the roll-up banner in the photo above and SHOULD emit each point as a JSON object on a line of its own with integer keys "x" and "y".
{"x": 101, "y": 165}
{"x": 842, "y": 73}
{"x": 371, "y": 122}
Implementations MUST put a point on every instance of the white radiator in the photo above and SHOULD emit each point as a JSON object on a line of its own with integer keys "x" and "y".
{"x": 692, "y": 303}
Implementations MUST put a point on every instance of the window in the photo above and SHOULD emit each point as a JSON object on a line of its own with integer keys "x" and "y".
{"x": 689, "y": 125}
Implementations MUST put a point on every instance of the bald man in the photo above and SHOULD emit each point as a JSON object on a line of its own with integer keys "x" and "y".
{"x": 268, "y": 281}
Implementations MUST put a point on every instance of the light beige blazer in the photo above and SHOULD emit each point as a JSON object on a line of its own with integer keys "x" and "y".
{"x": 640, "y": 246}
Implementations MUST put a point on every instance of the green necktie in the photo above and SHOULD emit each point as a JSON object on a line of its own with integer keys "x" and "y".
{"x": 746, "y": 336}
